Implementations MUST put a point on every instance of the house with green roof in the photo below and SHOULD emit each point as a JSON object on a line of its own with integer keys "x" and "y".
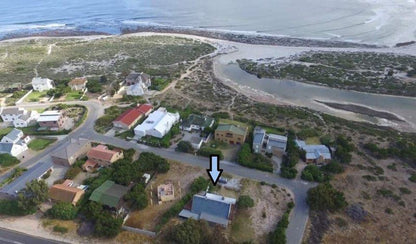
{"x": 197, "y": 122}
{"x": 109, "y": 194}
{"x": 231, "y": 134}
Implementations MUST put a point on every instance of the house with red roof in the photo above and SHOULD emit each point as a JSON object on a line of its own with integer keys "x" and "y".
{"x": 131, "y": 116}
{"x": 101, "y": 155}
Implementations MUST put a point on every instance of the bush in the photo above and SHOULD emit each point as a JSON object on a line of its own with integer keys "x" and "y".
{"x": 35, "y": 193}
{"x": 245, "y": 201}
{"x": 193, "y": 231}
{"x": 94, "y": 86}
{"x": 253, "y": 160}
{"x": 72, "y": 172}
{"x": 278, "y": 236}
{"x": 412, "y": 178}
{"x": 325, "y": 197}
{"x": 10, "y": 207}
{"x": 184, "y": 146}
{"x": 6, "y": 160}
{"x": 60, "y": 229}
{"x": 287, "y": 172}
{"x": 333, "y": 167}
{"x": 107, "y": 226}
{"x": 405, "y": 190}
{"x": 208, "y": 151}
{"x": 137, "y": 197}
{"x": 312, "y": 173}
{"x": 63, "y": 211}
{"x": 151, "y": 162}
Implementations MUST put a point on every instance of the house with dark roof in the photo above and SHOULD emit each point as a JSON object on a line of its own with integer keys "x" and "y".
{"x": 197, "y": 122}
{"x": 231, "y": 134}
{"x": 34, "y": 173}
{"x": 131, "y": 116}
{"x": 66, "y": 192}
{"x": 258, "y": 139}
{"x": 109, "y": 194}
{"x": 103, "y": 156}
{"x": 71, "y": 151}
{"x": 213, "y": 208}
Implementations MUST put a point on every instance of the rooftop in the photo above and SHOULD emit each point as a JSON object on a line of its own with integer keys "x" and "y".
{"x": 70, "y": 149}
{"x": 131, "y": 115}
{"x": 109, "y": 194}
{"x": 314, "y": 151}
{"x": 165, "y": 189}
{"x": 232, "y": 128}
{"x": 14, "y": 134}
{"x": 258, "y": 135}
{"x": 64, "y": 192}
{"x": 13, "y": 111}
{"x": 52, "y": 115}
{"x": 101, "y": 152}
{"x": 31, "y": 174}
{"x": 78, "y": 81}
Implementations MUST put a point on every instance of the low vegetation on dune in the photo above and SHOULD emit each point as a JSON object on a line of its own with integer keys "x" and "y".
{"x": 361, "y": 71}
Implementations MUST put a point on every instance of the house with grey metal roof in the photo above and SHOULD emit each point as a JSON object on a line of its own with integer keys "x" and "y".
{"x": 258, "y": 139}
{"x": 315, "y": 153}
{"x": 34, "y": 173}
{"x": 11, "y": 114}
{"x": 71, "y": 151}
{"x": 213, "y": 208}
{"x": 276, "y": 144}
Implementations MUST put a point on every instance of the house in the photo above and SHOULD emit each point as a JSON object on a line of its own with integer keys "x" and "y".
{"x": 258, "y": 139}
{"x": 103, "y": 156}
{"x": 15, "y": 136}
{"x": 230, "y": 134}
{"x": 131, "y": 116}
{"x": 77, "y": 84}
{"x": 197, "y": 122}
{"x": 137, "y": 84}
{"x": 13, "y": 149}
{"x": 12, "y": 114}
{"x": 34, "y": 173}
{"x": 52, "y": 120}
{"x": 65, "y": 192}
{"x": 196, "y": 142}
{"x": 158, "y": 124}
{"x": 109, "y": 194}
{"x": 165, "y": 193}
{"x": 215, "y": 209}
{"x": 71, "y": 151}
{"x": 134, "y": 78}
{"x": 28, "y": 118}
{"x": 276, "y": 144}
{"x": 42, "y": 84}
{"x": 317, "y": 154}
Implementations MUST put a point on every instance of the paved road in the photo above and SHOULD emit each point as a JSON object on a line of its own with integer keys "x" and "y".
{"x": 12, "y": 237}
{"x": 299, "y": 188}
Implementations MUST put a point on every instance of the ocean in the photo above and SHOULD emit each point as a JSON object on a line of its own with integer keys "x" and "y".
{"x": 368, "y": 21}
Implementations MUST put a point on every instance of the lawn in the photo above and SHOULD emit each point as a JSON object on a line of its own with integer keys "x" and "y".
{"x": 40, "y": 144}
{"x": 7, "y": 160}
{"x": 73, "y": 95}
{"x": 35, "y": 96}
{"x": 5, "y": 131}
{"x": 313, "y": 140}
{"x": 241, "y": 228}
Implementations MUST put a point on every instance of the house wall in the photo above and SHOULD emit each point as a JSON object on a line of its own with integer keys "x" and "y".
{"x": 120, "y": 125}
{"x": 42, "y": 87}
{"x": 229, "y": 137}
{"x": 53, "y": 124}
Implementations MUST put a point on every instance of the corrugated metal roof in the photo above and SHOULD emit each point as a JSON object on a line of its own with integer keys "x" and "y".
{"x": 232, "y": 128}
{"x": 109, "y": 194}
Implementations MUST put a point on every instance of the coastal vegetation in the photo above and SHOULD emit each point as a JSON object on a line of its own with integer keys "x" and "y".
{"x": 372, "y": 72}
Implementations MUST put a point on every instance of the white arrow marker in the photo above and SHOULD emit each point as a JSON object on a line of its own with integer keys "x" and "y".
{"x": 214, "y": 170}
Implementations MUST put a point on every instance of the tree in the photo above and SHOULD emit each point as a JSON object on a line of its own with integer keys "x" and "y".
{"x": 35, "y": 193}
{"x": 125, "y": 172}
{"x": 199, "y": 184}
{"x": 184, "y": 146}
{"x": 245, "y": 202}
{"x": 62, "y": 210}
{"x": 288, "y": 172}
{"x": 325, "y": 197}
{"x": 94, "y": 86}
{"x": 333, "y": 167}
{"x": 107, "y": 226}
{"x": 151, "y": 162}
{"x": 312, "y": 173}
{"x": 138, "y": 197}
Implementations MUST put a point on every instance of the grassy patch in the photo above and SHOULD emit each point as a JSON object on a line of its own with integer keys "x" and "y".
{"x": 313, "y": 140}
{"x": 35, "y": 96}
{"x": 40, "y": 144}
{"x": 235, "y": 122}
{"x": 6, "y": 160}
{"x": 5, "y": 131}
{"x": 73, "y": 95}
{"x": 241, "y": 228}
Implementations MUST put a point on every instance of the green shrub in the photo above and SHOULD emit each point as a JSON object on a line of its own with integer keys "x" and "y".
{"x": 60, "y": 229}
{"x": 388, "y": 210}
{"x": 405, "y": 190}
{"x": 312, "y": 173}
{"x": 63, "y": 211}
{"x": 253, "y": 160}
{"x": 184, "y": 146}
{"x": 325, "y": 197}
{"x": 412, "y": 178}
{"x": 11, "y": 208}
{"x": 72, "y": 172}
{"x": 245, "y": 201}
{"x": 333, "y": 167}
{"x": 208, "y": 151}
{"x": 6, "y": 160}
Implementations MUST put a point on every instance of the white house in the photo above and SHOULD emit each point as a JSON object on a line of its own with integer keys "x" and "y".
{"x": 13, "y": 149}
{"x": 42, "y": 84}
{"x": 26, "y": 119}
{"x": 157, "y": 124}
{"x": 137, "y": 84}
{"x": 77, "y": 84}
{"x": 15, "y": 136}
{"x": 11, "y": 114}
